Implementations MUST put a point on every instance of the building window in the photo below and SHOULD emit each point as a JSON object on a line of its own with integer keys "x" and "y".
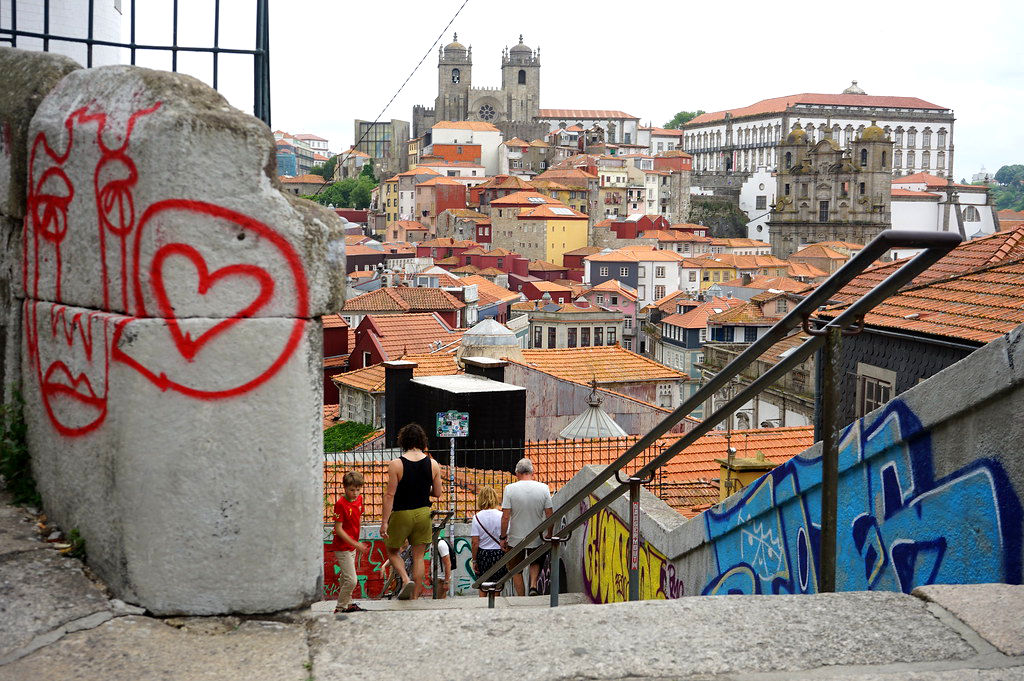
{"x": 786, "y": 190}
{"x": 642, "y": 271}
{"x": 611, "y": 335}
{"x": 911, "y": 161}
{"x": 912, "y": 137}
{"x": 627, "y": 343}
{"x": 940, "y": 160}
{"x": 552, "y": 337}
{"x": 761, "y": 202}
{"x": 971, "y": 214}
{"x": 749, "y": 334}
{"x": 585, "y": 337}
{"x": 572, "y": 337}
{"x": 522, "y": 76}
{"x": 659, "y": 272}
{"x": 615, "y": 300}
{"x": 623, "y": 271}
{"x": 926, "y": 160}
{"x": 693, "y": 276}
{"x": 659, "y": 292}
{"x": 926, "y": 138}
{"x": 456, "y": 76}
{"x": 874, "y": 387}
{"x": 367, "y": 359}
{"x": 538, "y": 336}
{"x": 898, "y": 137}
{"x": 822, "y": 211}
{"x": 863, "y": 158}
{"x": 599, "y": 299}
{"x": 897, "y": 159}
{"x": 598, "y": 336}
{"x": 627, "y": 322}
{"x": 604, "y": 271}
{"x": 780, "y": 306}
{"x": 941, "y": 137}
{"x": 702, "y": 336}
{"x": 789, "y": 160}
{"x": 665, "y": 395}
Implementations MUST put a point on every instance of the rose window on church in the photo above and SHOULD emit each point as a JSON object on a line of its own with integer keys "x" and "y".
{"x": 487, "y": 112}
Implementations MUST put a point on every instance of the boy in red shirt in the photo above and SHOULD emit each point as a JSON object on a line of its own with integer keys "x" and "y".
{"x": 348, "y": 513}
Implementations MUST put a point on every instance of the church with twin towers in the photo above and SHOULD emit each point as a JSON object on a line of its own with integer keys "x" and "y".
{"x": 513, "y": 108}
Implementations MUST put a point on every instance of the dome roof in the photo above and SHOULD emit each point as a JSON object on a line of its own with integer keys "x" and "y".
{"x": 873, "y": 133}
{"x": 455, "y": 45}
{"x": 854, "y": 89}
{"x": 797, "y": 135}
{"x": 489, "y": 332}
{"x": 521, "y": 48}
{"x": 593, "y": 422}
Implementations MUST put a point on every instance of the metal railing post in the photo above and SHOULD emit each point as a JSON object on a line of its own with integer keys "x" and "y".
{"x": 830, "y": 372}
{"x": 634, "y": 531}
{"x": 555, "y": 581}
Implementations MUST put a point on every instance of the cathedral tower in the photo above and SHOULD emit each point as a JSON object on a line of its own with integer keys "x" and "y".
{"x": 454, "y": 80}
{"x": 520, "y": 82}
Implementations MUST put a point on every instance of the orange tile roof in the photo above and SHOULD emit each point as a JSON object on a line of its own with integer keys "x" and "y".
{"x": 549, "y": 185}
{"x": 674, "y": 235}
{"x": 773, "y": 355}
{"x": 371, "y": 378}
{"x": 465, "y": 213}
{"x": 615, "y": 286}
{"x": 847, "y": 245}
{"x": 585, "y": 250}
{"x": 553, "y": 212}
{"x": 1011, "y": 214}
{"x": 819, "y": 251}
{"x": 637, "y": 254}
{"x": 479, "y": 126}
{"x": 583, "y": 113}
{"x": 354, "y": 239}
{"x": 766, "y": 283}
{"x": 664, "y": 132}
{"x": 330, "y": 415}
{"x": 744, "y": 262}
{"x": 539, "y": 143}
{"x": 490, "y": 292}
{"x": 360, "y": 249}
{"x": 333, "y": 321}
{"x": 979, "y": 306}
{"x": 303, "y": 179}
{"x": 417, "y": 171}
{"x": 697, "y": 318}
{"x": 434, "y": 181}
{"x": 606, "y": 364}
{"x": 362, "y": 274}
{"x": 550, "y": 286}
{"x": 545, "y": 266}
{"x": 516, "y": 142}
{"x": 668, "y": 303}
{"x": 522, "y": 198}
{"x": 970, "y": 255}
{"x": 744, "y": 315}
{"x": 739, "y": 243}
{"x": 568, "y": 176}
{"x": 403, "y": 299}
{"x": 780, "y": 104}
{"x": 466, "y": 269}
{"x": 913, "y": 193}
{"x": 802, "y": 269}
{"x": 505, "y": 182}
{"x": 414, "y": 333}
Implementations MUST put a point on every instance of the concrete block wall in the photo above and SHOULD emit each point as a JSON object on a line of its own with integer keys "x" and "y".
{"x": 930, "y": 493}
{"x": 172, "y": 360}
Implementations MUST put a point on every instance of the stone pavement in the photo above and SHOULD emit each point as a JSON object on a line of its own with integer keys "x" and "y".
{"x": 57, "y": 623}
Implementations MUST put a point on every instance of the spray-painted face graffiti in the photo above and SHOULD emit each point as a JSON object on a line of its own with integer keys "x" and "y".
{"x": 166, "y": 260}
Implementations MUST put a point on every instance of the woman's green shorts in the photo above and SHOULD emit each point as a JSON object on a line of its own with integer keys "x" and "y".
{"x": 412, "y": 524}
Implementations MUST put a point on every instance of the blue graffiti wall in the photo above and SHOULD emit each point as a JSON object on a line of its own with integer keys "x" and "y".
{"x": 898, "y": 526}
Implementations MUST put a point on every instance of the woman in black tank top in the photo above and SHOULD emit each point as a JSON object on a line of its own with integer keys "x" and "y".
{"x": 412, "y": 479}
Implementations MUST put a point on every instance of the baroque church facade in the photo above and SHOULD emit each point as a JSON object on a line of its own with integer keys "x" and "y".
{"x": 513, "y": 108}
{"x": 830, "y": 193}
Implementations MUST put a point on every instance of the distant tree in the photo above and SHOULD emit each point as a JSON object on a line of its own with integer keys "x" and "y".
{"x": 1010, "y": 174}
{"x": 367, "y": 172}
{"x": 682, "y": 118}
{"x": 360, "y": 196}
{"x": 326, "y": 169}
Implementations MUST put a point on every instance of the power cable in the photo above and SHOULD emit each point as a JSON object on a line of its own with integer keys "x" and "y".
{"x": 399, "y": 90}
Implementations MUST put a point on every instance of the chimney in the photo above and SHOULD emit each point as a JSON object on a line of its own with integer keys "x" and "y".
{"x": 493, "y": 369}
{"x": 397, "y": 398}
{"x": 746, "y": 279}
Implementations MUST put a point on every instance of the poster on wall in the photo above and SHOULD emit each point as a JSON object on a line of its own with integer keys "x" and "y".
{"x": 452, "y": 424}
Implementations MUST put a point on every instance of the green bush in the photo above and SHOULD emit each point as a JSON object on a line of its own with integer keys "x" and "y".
{"x": 344, "y": 436}
{"x": 15, "y": 465}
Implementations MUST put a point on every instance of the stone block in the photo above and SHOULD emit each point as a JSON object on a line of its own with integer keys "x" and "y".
{"x": 151, "y": 196}
{"x": 130, "y": 648}
{"x": 27, "y": 77}
{"x": 42, "y": 592}
{"x": 193, "y": 477}
{"x": 992, "y": 610}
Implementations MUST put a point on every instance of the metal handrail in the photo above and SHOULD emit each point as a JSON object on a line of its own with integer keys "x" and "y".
{"x": 937, "y": 244}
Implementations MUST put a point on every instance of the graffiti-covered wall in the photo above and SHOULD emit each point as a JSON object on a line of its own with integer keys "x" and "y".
{"x": 170, "y": 346}
{"x": 930, "y": 492}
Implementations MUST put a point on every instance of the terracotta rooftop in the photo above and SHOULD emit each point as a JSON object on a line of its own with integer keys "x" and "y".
{"x": 739, "y": 243}
{"x": 434, "y": 181}
{"x": 516, "y": 142}
{"x": 745, "y": 314}
{"x": 615, "y": 286}
{"x": 637, "y": 254}
{"x": 802, "y": 269}
{"x": 557, "y": 211}
{"x": 412, "y": 172}
{"x": 978, "y": 306}
{"x": 403, "y": 299}
{"x": 765, "y": 283}
{"x": 970, "y": 255}
{"x": 333, "y": 321}
{"x": 466, "y": 213}
{"x": 478, "y": 126}
{"x": 585, "y": 250}
{"x": 913, "y": 193}
{"x": 330, "y": 415}
{"x": 489, "y": 292}
{"x": 819, "y": 251}
{"x": 505, "y": 182}
{"x": 780, "y": 104}
{"x": 360, "y": 249}
{"x": 525, "y": 198}
{"x": 303, "y": 179}
{"x": 743, "y": 262}
{"x": 842, "y": 245}
{"x": 930, "y": 180}
{"x": 583, "y": 113}
{"x": 550, "y": 286}
{"x": 674, "y": 235}
{"x": 413, "y": 333}
{"x": 606, "y": 364}
{"x": 545, "y": 266}
{"x": 371, "y": 378}
{"x": 667, "y": 303}
{"x": 697, "y": 318}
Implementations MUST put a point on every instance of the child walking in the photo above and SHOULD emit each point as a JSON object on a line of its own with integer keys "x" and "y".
{"x": 348, "y": 513}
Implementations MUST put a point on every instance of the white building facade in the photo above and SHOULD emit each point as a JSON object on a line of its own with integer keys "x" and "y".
{"x": 472, "y": 132}
{"x": 619, "y": 126}
{"x": 745, "y": 138}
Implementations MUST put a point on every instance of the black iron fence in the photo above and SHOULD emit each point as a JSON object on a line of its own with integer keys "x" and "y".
{"x": 491, "y": 464}
{"x": 35, "y": 32}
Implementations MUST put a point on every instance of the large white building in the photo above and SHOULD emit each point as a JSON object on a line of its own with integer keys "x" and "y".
{"x": 471, "y": 133}
{"x": 743, "y": 139}
{"x": 69, "y": 18}
{"x": 619, "y": 127}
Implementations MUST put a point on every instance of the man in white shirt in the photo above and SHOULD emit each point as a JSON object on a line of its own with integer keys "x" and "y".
{"x": 524, "y": 505}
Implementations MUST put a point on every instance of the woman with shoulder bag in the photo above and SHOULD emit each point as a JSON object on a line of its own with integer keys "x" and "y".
{"x": 484, "y": 535}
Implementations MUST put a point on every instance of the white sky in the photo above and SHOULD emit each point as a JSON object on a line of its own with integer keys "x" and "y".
{"x": 333, "y": 61}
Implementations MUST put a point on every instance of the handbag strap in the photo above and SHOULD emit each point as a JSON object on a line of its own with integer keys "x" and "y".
{"x": 486, "y": 531}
